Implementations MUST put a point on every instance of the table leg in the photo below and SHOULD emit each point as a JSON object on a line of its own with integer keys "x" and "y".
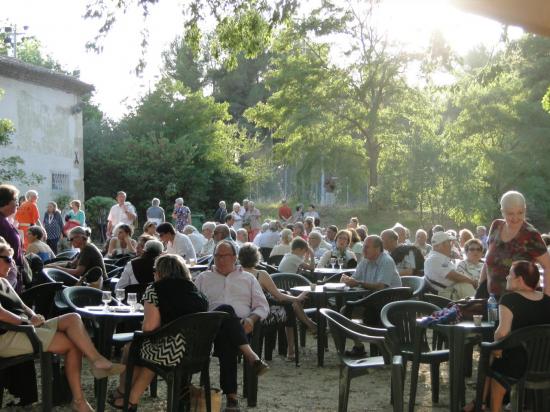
{"x": 104, "y": 346}
{"x": 321, "y": 336}
{"x": 456, "y": 369}
{"x": 415, "y": 367}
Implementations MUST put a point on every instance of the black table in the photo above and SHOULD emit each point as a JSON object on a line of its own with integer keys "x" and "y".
{"x": 457, "y": 335}
{"x": 325, "y": 273}
{"x": 320, "y": 298}
{"x": 107, "y": 322}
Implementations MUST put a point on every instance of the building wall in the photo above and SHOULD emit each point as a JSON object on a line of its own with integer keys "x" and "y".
{"x": 48, "y": 137}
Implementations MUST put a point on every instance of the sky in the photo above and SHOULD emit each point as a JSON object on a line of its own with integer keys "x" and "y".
{"x": 63, "y": 32}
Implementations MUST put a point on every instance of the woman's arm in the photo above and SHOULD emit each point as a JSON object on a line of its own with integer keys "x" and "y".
{"x": 151, "y": 317}
{"x": 267, "y": 284}
{"x": 111, "y": 249}
{"x": 131, "y": 245}
{"x": 505, "y": 317}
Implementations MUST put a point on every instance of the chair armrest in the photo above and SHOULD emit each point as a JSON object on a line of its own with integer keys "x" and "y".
{"x": 27, "y": 330}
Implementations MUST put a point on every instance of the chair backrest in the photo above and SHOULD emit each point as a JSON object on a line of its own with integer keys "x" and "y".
{"x": 121, "y": 262}
{"x": 110, "y": 266}
{"x": 416, "y": 283}
{"x": 437, "y": 300}
{"x": 343, "y": 328}
{"x": 275, "y": 260}
{"x": 268, "y": 268}
{"x": 68, "y": 254}
{"x": 372, "y": 305}
{"x": 265, "y": 251}
{"x": 58, "y": 275}
{"x": 79, "y": 296}
{"x": 400, "y": 320}
{"x": 204, "y": 260}
{"x": 117, "y": 271}
{"x": 41, "y": 297}
{"x": 287, "y": 281}
{"x": 138, "y": 289}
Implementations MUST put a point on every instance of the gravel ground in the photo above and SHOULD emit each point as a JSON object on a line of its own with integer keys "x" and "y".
{"x": 306, "y": 388}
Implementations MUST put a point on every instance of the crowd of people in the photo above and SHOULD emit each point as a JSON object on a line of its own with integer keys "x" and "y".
{"x": 454, "y": 264}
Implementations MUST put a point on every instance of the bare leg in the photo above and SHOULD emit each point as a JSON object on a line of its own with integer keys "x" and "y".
{"x": 248, "y": 353}
{"x": 300, "y": 314}
{"x": 497, "y": 395}
{"x": 290, "y": 342}
{"x": 140, "y": 381}
{"x": 61, "y": 344}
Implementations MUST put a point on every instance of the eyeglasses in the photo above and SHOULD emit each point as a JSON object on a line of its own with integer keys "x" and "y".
{"x": 7, "y": 259}
{"x": 474, "y": 249}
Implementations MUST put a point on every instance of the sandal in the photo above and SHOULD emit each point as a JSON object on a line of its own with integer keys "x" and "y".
{"x": 116, "y": 394}
{"x": 132, "y": 407}
{"x": 471, "y": 407}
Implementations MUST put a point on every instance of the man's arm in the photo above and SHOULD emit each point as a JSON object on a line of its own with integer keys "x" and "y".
{"x": 460, "y": 278}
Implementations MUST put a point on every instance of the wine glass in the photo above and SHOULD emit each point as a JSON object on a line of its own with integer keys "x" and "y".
{"x": 132, "y": 301}
{"x": 106, "y": 298}
{"x": 120, "y": 294}
{"x": 333, "y": 262}
{"x": 340, "y": 262}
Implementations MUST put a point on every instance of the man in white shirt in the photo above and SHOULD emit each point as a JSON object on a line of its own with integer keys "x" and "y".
{"x": 239, "y": 293}
{"x": 208, "y": 233}
{"x": 440, "y": 271}
{"x": 122, "y": 212}
{"x": 315, "y": 242}
{"x": 197, "y": 239}
{"x": 176, "y": 242}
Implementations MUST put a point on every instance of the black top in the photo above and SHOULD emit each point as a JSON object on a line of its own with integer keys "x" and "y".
{"x": 178, "y": 297}
{"x": 143, "y": 267}
{"x": 91, "y": 257}
{"x": 527, "y": 312}
{"x": 9, "y": 300}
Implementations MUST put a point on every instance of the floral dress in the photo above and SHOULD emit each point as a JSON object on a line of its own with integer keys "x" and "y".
{"x": 183, "y": 215}
{"x": 526, "y": 245}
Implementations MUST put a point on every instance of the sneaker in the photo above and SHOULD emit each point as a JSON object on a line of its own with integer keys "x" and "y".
{"x": 232, "y": 405}
{"x": 356, "y": 352}
{"x": 260, "y": 367}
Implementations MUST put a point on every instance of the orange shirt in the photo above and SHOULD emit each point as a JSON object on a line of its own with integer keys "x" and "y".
{"x": 27, "y": 213}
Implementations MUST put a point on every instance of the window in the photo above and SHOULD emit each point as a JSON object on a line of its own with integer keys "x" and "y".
{"x": 60, "y": 182}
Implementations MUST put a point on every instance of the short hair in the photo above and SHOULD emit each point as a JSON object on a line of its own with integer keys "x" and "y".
{"x": 80, "y": 231}
{"x": 310, "y": 220}
{"x": 148, "y": 224}
{"x": 362, "y": 233}
{"x": 166, "y": 227}
{"x": 377, "y": 241}
{"x": 7, "y": 194}
{"x": 481, "y": 228}
{"x": 389, "y": 232}
{"x": 465, "y": 232}
{"x": 171, "y": 266}
{"x": 221, "y": 201}
{"x": 512, "y": 199}
{"x": 546, "y": 239}
{"x": 273, "y": 225}
{"x": 334, "y": 228}
{"x": 226, "y": 243}
{"x": 37, "y": 232}
{"x": 286, "y": 235}
{"x": 153, "y": 247}
{"x": 155, "y": 202}
{"x": 76, "y": 202}
{"x": 209, "y": 225}
{"x": 144, "y": 238}
{"x": 249, "y": 255}
{"x": 315, "y": 234}
{"x": 55, "y": 208}
{"x": 31, "y": 193}
{"x": 528, "y": 271}
{"x": 179, "y": 201}
{"x": 189, "y": 229}
{"x": 243, "y": 232}
{"x": 120, "y": 192}
{"x": 354, "y": 220}
{"x": 236, "y": 204}
{"x": 223, "y": 229}
{"x": 471, "y": 242}
{"x": 228, "y": 217}
{"x": 300, "y": 225}
{"x": 298, "y": 243}
{"x": 438, "y": 228}
{"x": 421, "y": 231}
{"x": 344, "y": 232}
{"x": 5, "y": 247}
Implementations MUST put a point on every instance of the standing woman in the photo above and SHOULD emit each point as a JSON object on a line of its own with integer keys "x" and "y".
{"x": 53, "y": 225}
{"x": 182, "y": 215}
{"x": 511, "y": 239}
{"x": 76, "y": 215}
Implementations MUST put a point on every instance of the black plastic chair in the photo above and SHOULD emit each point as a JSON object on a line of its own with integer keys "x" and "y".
{"x": 343, "y": 329}
{"x": 40, "y": 298}
{"x": 63, "y": 256}
{"x": 437, "y": 300}
{"x": 204, "y": 260}
{"x": 275, "y": 260}
{"x": 400, "y": 320}
{"x": 59, "y": 275}
{"x": 45, "y": 358}
{"x": 416, "y": 283}
{"x": 121, "y": 261}
{"x": 199, "y": 331}
{"x": 265, "y": 251}
{"x": 268, "y": 268}
{"x": 536, "y": 342}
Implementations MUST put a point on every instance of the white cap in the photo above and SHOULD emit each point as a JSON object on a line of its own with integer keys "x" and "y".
{"x": 440, "y": 237}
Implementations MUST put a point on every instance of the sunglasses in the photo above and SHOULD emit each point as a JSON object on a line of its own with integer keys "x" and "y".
{"x": 475, "y": 249}
{"x": 7, "y": 259}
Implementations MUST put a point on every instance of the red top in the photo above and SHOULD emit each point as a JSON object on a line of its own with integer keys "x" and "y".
{"x": 285, "y": 212}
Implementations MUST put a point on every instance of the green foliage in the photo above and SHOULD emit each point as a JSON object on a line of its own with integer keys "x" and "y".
{"x": 97, "y": 208}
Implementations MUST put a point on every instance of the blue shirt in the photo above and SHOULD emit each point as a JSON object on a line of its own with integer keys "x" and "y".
{"x": 382, "y": 270}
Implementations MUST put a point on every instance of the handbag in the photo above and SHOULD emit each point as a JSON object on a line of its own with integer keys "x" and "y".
{"x": 198, "y": 399}
{"x": 470, "y": 307}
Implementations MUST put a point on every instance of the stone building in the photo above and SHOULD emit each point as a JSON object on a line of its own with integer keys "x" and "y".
{"x": 46, "y": 110}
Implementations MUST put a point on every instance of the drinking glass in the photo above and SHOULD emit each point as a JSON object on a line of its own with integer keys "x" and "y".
{"x": 120, "y": 294}
{"x": 340, "y": 262}
{"x": 106, "y": 298}
{"x": 333, "y": 262}
{"x": 132, "y": 301}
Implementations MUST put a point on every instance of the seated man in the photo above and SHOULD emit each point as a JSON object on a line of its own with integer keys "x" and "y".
{"x": 176, "y": 242}
{"x": 314, "y": 240}
{"x": 408, "y": 258}
{"x": 295, "y": 260}
{"x": 196, "y": 238}
{"x": 441, "y": 274}
{"x": 377, "y": 270}
{"x": 141, "y": 269}
{"x": 232, "y": 290}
